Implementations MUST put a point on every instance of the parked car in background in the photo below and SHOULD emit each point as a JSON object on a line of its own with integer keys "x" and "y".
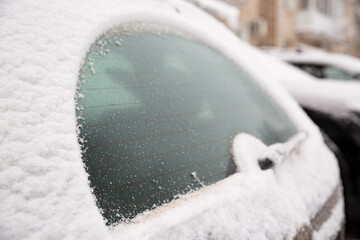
{"x": 150, "y": 120}
{"x": 319, "y": 63}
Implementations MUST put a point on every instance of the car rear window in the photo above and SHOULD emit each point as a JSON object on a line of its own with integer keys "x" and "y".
{"x": 157, "y": 113}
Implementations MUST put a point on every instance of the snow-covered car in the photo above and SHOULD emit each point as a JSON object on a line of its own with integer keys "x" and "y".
{"x": 319, "y": 63}
{"x": 150, "y": 120}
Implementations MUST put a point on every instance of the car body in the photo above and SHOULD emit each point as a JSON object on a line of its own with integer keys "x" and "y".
{"x": 334, "y": 106}
{"x": 319, "y": 63}
{"x": 59, "y": 71}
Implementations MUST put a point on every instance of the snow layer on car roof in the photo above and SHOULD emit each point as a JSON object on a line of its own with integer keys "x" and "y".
{"x": 223, "y": 10}
{"x": 318, "y": 56}
{"x": 335, "y": 97}
{"x": 44, "y": 192}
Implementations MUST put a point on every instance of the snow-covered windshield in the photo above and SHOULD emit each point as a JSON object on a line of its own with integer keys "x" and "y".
{"x": 156, "y": 115}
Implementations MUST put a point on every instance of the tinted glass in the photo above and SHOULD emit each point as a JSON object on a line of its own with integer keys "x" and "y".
{"x": 157, "y": 113}
{"x": 335, "y": 73}
{"x": 315, "y": 70}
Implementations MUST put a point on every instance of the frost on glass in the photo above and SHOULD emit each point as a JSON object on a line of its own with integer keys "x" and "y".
{"x": 156, "y": 116}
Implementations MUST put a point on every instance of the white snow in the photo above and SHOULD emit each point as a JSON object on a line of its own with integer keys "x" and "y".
{"x": 315, "y": 55}
{"x": 44, "y": 192}
{"x": 326, "y": 231}
{"x": 337, "y": 98}
{"x": 222, "y": 10}
{"x": 332, "y": 96}
{"x": 249, "y": 205}
{"x": 248, "y": 150}
{"x": 281, "y": 151}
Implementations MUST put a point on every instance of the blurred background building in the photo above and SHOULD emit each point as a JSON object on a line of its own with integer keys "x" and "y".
{"x": 333, "y": 25}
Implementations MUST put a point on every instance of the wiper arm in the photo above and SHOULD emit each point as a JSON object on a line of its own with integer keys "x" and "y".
{"x": 251, "y": 154}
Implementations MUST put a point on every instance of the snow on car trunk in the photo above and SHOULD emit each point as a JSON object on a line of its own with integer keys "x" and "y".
{"x": 44, "y": 191}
